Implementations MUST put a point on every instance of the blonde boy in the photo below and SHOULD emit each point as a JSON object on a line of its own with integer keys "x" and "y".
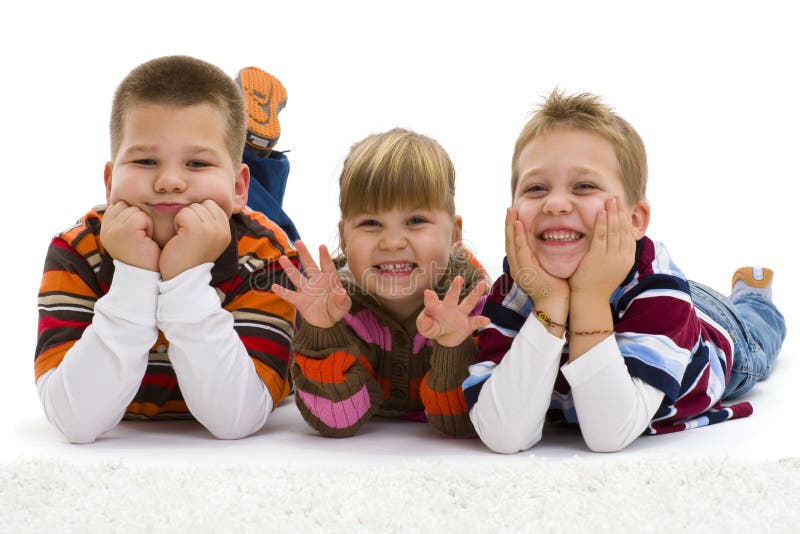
{"x": 640, "y": 348}
{"x": 153, "y": 306}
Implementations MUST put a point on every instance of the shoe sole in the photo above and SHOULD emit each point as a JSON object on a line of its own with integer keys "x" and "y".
{"x": 264, "y": 96}
{"x": 753, "y": 276}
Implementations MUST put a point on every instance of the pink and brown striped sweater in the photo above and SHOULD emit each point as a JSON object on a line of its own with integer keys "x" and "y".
{"x": 370, "y": 364}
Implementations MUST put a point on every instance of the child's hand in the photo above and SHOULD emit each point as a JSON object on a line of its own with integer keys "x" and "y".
{"x": 550, "y": 294}
{"x": 202, "y": 232}
{"x": 611, "y": 255}
{"x": 127, "y": 235}
{"x": 319, "y": 296}
{"x": 447, "y": 322}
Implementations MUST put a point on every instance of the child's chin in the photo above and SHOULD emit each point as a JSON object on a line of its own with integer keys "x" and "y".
{"x": 562, "y": 270}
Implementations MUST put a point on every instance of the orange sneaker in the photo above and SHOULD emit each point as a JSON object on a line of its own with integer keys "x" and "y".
{"x": 752, "y": 280}
{"x": 264, "y": 97}
{"x": 759, "y": 277}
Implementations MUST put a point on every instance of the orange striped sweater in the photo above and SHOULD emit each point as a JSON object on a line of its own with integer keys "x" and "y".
{"x": 78, "y": 271}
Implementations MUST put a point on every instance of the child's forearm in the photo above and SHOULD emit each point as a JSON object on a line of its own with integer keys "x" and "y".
{"x": 441, "y": 393}
{"x": 216, "y": 375}
{"x": 88, "y": 392}
{"x": 613, "y": 409}
{"x": 590, "y": 322}
{"x": 510, "y": 410}
{"x": 334, "y": 390}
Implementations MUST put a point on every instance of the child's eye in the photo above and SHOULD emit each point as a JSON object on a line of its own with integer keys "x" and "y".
{"x": 197, "y": 164}
{"x": 416, "y": 220}
{"x": 585, "y": 186}
{"x": 535, "y": 189}
{"x": 145, "y": 161}
{"x": 369, "y": 223}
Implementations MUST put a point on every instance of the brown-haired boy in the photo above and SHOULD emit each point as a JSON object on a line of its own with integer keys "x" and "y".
{"x": 640, "y": 348}
{"x": 156, "y": 306}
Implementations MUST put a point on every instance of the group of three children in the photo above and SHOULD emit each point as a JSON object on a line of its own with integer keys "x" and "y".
{"x": 176, "y": 300}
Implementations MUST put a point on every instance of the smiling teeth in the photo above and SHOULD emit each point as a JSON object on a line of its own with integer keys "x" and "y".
{"x": 561, "y": 236}
{"x": 396, "y": 267}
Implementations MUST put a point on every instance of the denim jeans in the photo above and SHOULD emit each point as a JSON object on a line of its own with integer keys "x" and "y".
{"x": 756, "y": 327}
{"x": 268, "y": 177}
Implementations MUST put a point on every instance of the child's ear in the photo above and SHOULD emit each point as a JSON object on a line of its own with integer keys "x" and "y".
{"x": 457, "y": 223}
{"x": 107, "y": 180}
{"x": 640, "y": 218}
{"x": 240, "y": 186}
{"x": 342, "y": 245}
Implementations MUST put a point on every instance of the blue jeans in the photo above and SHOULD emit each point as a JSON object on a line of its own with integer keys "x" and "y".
{"x": 268, "y": 177}
{"x": 756, "y": 327}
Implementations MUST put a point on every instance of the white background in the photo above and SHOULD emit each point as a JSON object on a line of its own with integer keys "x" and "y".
{"x": 711, "y": 87}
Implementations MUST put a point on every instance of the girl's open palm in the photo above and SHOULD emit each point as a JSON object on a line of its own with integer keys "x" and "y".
{"x": 318, "y": 295}
{"x": 449, "y": 322}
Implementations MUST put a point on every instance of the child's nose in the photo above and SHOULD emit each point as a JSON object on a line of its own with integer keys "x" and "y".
{"x": 169, "y": 180}
{"x": 557, "y": 203}
{"x": 393, "y": 240}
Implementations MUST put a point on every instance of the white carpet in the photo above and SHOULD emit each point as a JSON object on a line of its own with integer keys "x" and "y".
{"x": 673, "y": 495}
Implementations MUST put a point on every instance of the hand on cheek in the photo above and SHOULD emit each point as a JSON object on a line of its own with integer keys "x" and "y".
{"x": 549, "y": 294}
{"x": 127, "y": 235}
{"x": 202, "y": 232}
{"x": 611, "y": 255}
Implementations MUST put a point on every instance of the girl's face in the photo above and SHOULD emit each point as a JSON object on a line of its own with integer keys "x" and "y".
{"x": 396, "y": 255}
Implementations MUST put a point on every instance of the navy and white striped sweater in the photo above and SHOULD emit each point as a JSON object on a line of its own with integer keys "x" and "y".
{"x": 664, "y": 339}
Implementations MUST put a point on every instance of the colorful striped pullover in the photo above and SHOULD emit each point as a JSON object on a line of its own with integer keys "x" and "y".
{"x": 370, "y": 364}
{"x": 665, "y": 354}
{"x": 115, "y": 341}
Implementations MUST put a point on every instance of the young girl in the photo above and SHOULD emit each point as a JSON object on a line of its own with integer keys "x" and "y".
{"x": 383, "y": 331}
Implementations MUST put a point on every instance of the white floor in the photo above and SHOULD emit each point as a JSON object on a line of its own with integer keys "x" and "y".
{"x": 771, "y": 433}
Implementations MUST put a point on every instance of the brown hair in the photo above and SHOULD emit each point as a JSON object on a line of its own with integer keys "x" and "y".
{"x": 396, "y": 168}
{"x": 181, "y": 81}
{"x": 586, "y": 112}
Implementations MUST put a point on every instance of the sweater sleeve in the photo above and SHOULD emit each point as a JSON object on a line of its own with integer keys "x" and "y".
{"x": 333, "y": 388}
{"x": 613, "y": 409}
{"x": 218, "y": 379}
{"x": 509, "y": 411}
{"x": 92, "y": 355}
{"x": 441, "y": 392}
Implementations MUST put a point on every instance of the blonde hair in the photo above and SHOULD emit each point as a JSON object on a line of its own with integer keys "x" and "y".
{"x": 586, "y": 112}
{"x": 181, "y": 81}
{"x": 398, "y": 168}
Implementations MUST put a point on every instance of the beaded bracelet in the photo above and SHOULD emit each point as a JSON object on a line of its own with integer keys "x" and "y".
{"x": 589, "y": 332}
{"x": 546, "y": 320}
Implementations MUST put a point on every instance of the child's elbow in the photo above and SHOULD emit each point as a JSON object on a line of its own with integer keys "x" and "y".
{"x": 235, "y": 428}
{"x": 508, "y": 442}
{"x": 606, "y": 443}
{"x": 227, "y": 430}
{"x": 228, "y": 433}
{"x": 80, "y": 437}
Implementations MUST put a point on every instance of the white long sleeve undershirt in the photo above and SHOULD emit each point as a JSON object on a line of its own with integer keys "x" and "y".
{"x": 612, "y": 407}
{"x": 87, "y": 394}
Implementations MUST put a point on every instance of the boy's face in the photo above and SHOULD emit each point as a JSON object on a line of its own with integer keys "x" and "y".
{"x": 396, "y": 255}
{"x": 171, "y": 157}
{"x": 565, "y": 177}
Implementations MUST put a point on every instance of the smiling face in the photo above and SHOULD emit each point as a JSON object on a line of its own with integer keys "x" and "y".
{"x": 173, "y": 156}
{"x": 565, "y": 177}
{"x": 395, "y": 255}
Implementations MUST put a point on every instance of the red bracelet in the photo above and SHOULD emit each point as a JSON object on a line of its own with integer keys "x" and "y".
{"x": 590, "y": 332}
